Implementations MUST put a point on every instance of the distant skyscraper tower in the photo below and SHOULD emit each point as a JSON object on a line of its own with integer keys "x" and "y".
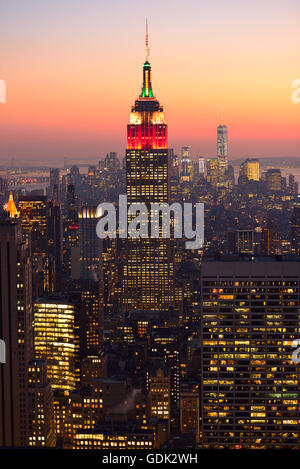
{"x": 186, "y": 163}
{"x": 249, "y": 170}
{"x": 222, "y": 134}
{"x": 148, "y": 273}
{"x": 54, "y": 182}
{"x": 89, "y": 244}
{"x": 201, "y": 162}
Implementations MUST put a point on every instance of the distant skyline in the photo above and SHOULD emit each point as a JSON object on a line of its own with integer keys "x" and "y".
{"x": 73, "y": 69}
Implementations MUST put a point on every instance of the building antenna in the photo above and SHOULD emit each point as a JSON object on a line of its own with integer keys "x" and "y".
{"x": 222, "y": 115}
{"x": 147, "y": 42}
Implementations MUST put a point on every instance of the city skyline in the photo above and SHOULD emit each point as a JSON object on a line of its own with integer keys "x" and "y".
{"x": 69, "y": 82}
{"x": 149, "y": 297}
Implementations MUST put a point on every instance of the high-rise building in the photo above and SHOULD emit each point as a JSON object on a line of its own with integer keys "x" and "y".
{"x": 222, "y": 147}
{"x": 213, "y": 171}
{"x": 3, "y": 190}
{"x": 41, "y": 410}
{"x": 148, "y": 271}
{"x": 70, "y": 233}
{"x": 160, "y": 394}
{"x": 54, "y": 183}
{"x": 295, "y": 231}
{"x": 273, "y": 180}
{"x": 16, "y": 332}
{"x": 56, "y": 339}
{"x": 91, "y": 317}
{"x": 89, "y": 244}
{"x": 201, "y": 162}
{"x": 293, "y": 185}
{"x": 249, "y": 382}
{"x": 55, "y": 241}
{"x": 249, "y": 170}
{"x": 189, "y": 408}
{"x": 34, "y": 220}
{"x": 186, "y": 163}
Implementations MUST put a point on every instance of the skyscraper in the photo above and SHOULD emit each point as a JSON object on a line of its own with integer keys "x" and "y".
{"x": 186, "y": 163}
{"x": 56, "y": 339}
{"x": 250, "y": 385}
{"x": 89, "y": 243}
{"x": 34, "y": 220}
{"x": 249, "y": 170}
{"x": 222, "y": 144}
{"x": 295, "y": 231}
{"x": 16, "y": 331}
{"x": 148, "y": 272}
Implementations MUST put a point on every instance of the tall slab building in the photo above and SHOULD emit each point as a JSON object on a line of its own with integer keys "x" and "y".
{"x": 16, "y": 332}
{"x": 250, "y": 329}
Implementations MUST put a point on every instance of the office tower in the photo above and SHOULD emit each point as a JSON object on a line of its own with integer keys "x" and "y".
{"x": 56, "y": 339}
{"x": 91, "y": 320}
{"x": 89, "y": 244}
{"x": 212, "y": 168}
{"x": 11, "y": 208}
{"x": 148, "y": 273}
{"x": 293, "y": 185}
{"x": 273, "y": 180}
{"x": 189, "y": 408}
{"x": 55, "y": 241}
{"x": 250, "y": 385}
{"x": 74, "y": 177}
{"x": 249, "y": 170}
{"x": 16, "y": 332}
{"x": 71, "y": 232}
{"x": 34, "y": 220}
{"x": 40, "y": 401}
{"x": 222, "y": 147}
{"x": 54, "y": 184}
{"x": 3, "y": 190}
{"x": 186, "y": 163}
{"x": 160, "y": 394}
{"x": 111, "y": 162}
{"x": 174, "y": 164}
{"x": 295, "y": 231}
{"x": 92, "y": 367}
{"x": 201, "y": 162}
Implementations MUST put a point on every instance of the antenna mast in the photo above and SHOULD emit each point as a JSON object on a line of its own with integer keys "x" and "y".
{"x": 147, "y": 42}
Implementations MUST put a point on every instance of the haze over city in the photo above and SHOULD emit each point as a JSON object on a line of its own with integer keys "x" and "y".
{"x": 71, "y": 74}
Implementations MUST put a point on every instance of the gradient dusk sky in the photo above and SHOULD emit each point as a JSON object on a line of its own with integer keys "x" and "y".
{"x": 73, "y": 68}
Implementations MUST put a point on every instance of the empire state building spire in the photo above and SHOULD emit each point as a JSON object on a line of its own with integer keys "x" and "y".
{"x": 147, "y": 42}
{"x": 147, "y": 86}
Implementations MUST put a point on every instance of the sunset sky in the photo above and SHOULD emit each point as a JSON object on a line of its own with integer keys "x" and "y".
{"x": 73, "y": 68}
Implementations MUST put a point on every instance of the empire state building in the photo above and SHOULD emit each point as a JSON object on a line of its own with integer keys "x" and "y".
{"x": 148, "y": 272}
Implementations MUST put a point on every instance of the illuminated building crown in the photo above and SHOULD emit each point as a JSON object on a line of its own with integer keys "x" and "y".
{"x": 11, "y": 208}
{"x": 147, "y": 128}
